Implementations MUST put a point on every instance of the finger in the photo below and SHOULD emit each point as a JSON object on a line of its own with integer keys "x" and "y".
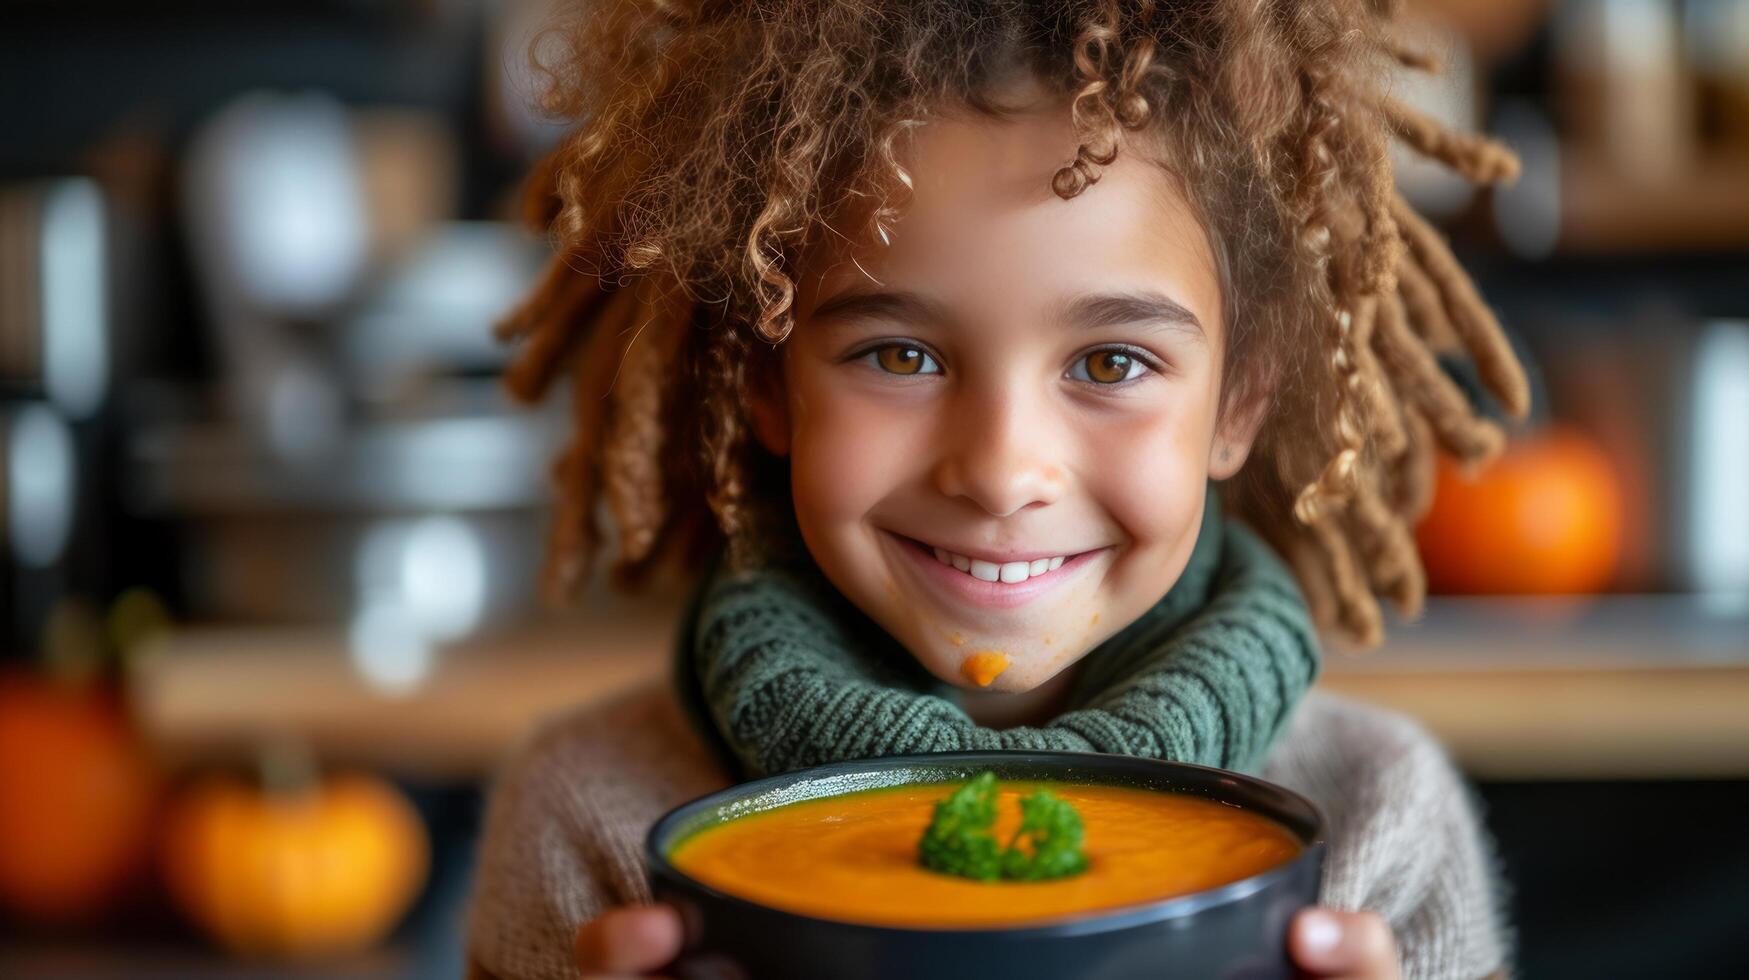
{"x": 629, "y": 940}
{"x": 1357, "y": 945}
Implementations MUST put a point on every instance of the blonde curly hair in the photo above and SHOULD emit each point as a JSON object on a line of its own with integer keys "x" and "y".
{"x": 717, "y": 136}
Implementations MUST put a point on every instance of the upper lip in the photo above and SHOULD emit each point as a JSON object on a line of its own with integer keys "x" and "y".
{"x": 995, "y": 557}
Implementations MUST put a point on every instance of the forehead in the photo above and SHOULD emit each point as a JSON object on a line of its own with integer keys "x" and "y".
{"x": 981, "y": 225}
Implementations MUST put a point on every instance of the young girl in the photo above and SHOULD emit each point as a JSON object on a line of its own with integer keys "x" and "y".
{"x": 999, "y": 349}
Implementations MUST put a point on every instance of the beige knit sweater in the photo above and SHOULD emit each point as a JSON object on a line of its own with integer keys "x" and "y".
{"x": 565, "y": 831}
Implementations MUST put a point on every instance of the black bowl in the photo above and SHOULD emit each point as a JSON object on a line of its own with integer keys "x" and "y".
{"x": 1235, "y": 930}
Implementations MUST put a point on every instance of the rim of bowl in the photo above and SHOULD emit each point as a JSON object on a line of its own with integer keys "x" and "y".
{"x": 1091, "y": 921}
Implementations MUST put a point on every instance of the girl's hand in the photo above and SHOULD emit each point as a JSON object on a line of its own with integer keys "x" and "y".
{"x": 1348, "y": 945}
{"x": 632, "y": 941}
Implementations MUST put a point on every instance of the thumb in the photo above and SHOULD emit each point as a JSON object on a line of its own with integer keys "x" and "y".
{"x": 629, "y": 940}
{"x": 1355, "y": 945}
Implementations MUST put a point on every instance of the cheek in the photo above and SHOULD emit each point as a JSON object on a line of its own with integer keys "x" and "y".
{"x": 1152, "y": 475}
{"x": 849, "y": 449}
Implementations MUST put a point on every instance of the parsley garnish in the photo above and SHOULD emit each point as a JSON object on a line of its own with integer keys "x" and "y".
{"x": 959, "y": 840}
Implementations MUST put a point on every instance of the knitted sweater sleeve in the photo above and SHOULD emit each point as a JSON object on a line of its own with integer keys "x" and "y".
{"x": 1404, "y": 836}
{"x": 563, "y": 836}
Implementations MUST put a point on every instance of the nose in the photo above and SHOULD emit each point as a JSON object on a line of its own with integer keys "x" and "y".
{"x": 1000, "y": 453}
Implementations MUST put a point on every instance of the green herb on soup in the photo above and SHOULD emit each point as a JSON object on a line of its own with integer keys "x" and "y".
{"x": 960, "y": 840}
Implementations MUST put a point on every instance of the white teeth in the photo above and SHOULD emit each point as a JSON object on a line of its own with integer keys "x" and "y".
{"x": 1012, "y": 573}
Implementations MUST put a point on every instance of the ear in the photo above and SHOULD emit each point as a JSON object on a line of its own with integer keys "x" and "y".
{"x": 1234, "y": 436}
{"x": 768, "y": 400}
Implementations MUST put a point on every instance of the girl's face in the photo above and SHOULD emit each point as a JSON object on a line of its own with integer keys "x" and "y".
{"x": 1001, "y": 425}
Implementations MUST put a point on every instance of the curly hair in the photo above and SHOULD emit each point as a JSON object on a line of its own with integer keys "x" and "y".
{"x": 718, "y": 136}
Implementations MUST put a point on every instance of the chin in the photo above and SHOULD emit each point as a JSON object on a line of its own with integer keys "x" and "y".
{"x": 1004, "y": 685}
{"x": 1024, "y": 670}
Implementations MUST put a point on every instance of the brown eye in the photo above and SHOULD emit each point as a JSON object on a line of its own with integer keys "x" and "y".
{"x": 1108, "y": 367}
{"x": 899, "y": 359}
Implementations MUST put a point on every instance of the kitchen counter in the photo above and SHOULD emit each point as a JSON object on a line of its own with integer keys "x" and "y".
{"x": 1622, "y": 688}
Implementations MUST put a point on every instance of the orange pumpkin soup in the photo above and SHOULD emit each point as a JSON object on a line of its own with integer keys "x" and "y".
{"x": 854, "y": 857}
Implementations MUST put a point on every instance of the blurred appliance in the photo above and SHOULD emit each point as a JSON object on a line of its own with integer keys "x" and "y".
{"x": 54, "y": 292}
{"x": 1718, "y": 470}
{"x": 276, "y": 218}
{"x": 55, "y": 366}
{"x": 354, "y": 461}
{"x": 270, "y": 538}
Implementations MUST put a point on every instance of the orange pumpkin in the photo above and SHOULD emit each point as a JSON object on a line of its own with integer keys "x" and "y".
{"x": 325, "y": 870}
{"x": 1545, "y": 517}
{"x": 77, "y": 793}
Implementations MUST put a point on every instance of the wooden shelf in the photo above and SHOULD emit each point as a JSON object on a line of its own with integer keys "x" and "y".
{"x": 1626, "y": 687}
{"x": 216, "y": 694}
{"x": 1621, "y": 687}
{"x": 1601, "y": 211}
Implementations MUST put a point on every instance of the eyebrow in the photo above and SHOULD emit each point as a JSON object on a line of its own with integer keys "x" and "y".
{"x": 882, "y": 306}
{"x": 1089, "y": 312}
{"x": 1142, "y": 306}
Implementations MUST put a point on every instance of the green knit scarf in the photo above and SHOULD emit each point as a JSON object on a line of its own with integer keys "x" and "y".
{"x": 779, "y": 671}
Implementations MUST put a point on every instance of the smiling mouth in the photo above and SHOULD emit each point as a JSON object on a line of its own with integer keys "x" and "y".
{"x": 1005, "y": 572}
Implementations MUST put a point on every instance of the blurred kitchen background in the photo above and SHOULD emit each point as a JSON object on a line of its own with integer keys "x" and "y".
{"x": 271, "y": 528}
